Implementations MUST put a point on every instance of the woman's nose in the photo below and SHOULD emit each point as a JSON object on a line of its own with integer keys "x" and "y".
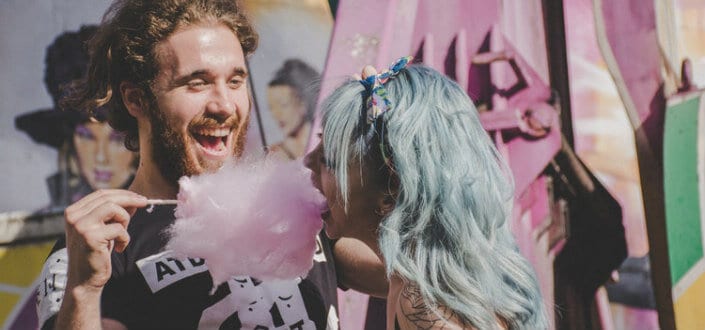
{"x": 308, "y": 162}
{"x": 100, "y": 153}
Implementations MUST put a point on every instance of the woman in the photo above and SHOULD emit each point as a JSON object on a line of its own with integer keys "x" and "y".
{"x": 407, "y": 168}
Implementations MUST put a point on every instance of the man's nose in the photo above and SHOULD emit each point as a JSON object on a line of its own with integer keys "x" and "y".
{"x": 220, "y": 103}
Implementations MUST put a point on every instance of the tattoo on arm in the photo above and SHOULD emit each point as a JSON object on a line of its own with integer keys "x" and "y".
{"x": 419, "y": 314}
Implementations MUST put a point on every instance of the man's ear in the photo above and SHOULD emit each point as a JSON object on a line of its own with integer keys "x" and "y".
{"x": 133, "y": 97}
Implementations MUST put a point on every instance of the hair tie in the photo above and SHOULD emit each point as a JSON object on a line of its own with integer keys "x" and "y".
{"x": 377, "y": 102}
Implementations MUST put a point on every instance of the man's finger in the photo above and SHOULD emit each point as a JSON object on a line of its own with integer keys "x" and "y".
{"x": 86, "y": 205}
{"x": 116, "y": 233}
{"x": 103, "y": 193}
{"x": 368, "y": 71}
{"x": 124, "y": 201}
{"x": 107, "y": 213}
{"x": 113, "y": 213}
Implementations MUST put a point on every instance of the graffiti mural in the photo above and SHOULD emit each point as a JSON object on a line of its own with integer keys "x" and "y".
{"x": 286, "y": 72}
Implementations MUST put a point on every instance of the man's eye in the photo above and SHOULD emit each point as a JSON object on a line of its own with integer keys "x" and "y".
{"x": 196, "y": 83}
{"x": 236, "y": 82}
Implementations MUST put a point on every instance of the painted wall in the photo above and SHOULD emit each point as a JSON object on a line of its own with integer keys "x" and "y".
{"x": 27, "y": 27}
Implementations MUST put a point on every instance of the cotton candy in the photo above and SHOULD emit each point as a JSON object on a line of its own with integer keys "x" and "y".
{"x": 252, "y": 217}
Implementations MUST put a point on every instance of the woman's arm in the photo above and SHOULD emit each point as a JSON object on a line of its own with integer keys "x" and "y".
{"x": 359, "y": 268}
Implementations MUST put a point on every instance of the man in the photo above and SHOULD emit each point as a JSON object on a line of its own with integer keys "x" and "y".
{"x": 173, "y": 74}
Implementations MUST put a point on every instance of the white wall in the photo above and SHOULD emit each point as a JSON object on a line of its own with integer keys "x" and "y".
{"x": 27, "y": 27}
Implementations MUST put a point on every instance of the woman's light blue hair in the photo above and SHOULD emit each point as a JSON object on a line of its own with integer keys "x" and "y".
{"x": 449, "y": 230}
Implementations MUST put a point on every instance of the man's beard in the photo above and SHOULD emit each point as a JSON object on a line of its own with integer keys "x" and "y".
{"x": 170, "y": 147}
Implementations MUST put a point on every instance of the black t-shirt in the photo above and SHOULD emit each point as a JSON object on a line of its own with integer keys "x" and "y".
{"x": 152, "y": 289}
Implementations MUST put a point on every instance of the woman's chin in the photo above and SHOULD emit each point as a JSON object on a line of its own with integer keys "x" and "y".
{"x": 330, "y": 232}
{"x": 96, "y": 185}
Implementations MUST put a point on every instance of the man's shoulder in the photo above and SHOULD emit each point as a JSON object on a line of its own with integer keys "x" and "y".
{"x": 51, "y": 284}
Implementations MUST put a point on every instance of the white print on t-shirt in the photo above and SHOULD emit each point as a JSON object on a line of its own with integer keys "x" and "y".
{"x": 333, "y": 320}
{"x": 161, "y": 270}
{"x": 52, "y": 284}
{"x": 252, "y": 304}
{"x": 319, "y": 255}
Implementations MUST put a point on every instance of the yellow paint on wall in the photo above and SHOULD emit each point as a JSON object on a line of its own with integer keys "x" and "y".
{"x": 9, "y": 301}
{"x": 21, "y": 264}
{"x": 688, "y": 308}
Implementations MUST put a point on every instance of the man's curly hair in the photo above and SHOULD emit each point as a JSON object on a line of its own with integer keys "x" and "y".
{"x": 124, "y": 49}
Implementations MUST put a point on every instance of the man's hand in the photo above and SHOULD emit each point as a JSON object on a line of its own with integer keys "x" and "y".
{"x": 94, "y": 226}
{"x": 367, "y": 71}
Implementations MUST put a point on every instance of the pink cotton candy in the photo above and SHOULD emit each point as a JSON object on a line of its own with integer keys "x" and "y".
{"x": 255, "y": 218}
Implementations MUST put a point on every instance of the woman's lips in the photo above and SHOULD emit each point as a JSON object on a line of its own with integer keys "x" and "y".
{"x": 102, "y": 175}
{"x": 325, "y": 215}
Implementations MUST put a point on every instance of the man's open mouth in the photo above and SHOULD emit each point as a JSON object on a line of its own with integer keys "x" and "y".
{"x": 213, "y": 141}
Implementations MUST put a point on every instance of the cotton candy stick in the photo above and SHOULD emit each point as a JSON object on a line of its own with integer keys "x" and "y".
{"x": 161, "y": 201}
{"x": 152, "y": 202}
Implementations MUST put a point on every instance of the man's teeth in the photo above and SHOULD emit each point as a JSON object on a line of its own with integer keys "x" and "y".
{"x": 220, "y": 132}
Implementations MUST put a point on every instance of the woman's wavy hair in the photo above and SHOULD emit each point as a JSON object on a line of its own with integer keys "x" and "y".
{"x": 448, "y": 232}
{"x": 124, "y": 49}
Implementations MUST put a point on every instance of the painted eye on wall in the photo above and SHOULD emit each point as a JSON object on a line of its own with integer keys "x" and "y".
{"x": 83, "y": 132}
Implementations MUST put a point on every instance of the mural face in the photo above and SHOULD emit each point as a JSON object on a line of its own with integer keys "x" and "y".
{"x": 287, "y": 109}
{"x": 285, "y": 72}
{"x": 102, "y": 158}
{"x": 291, "y": 97}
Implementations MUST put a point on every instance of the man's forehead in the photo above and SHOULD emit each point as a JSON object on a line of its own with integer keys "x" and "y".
{"x": 200, "y": 48}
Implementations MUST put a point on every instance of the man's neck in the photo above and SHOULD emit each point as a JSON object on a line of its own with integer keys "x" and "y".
{"x": 150, "y": 183}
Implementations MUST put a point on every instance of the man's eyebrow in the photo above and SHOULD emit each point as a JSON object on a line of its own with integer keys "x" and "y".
{"x": 182, "y": 79}
{"x": 178, "y": 79}
{"x": 240, "y": 72}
